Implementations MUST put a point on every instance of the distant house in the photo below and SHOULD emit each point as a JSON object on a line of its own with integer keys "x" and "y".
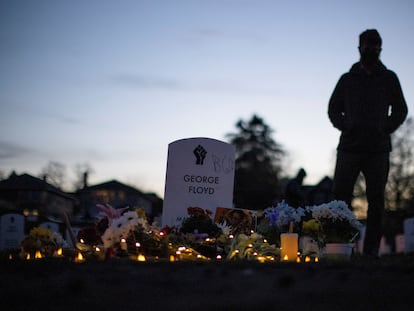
{"x": 114, "y": 193}
{"x": 34, "y": 197}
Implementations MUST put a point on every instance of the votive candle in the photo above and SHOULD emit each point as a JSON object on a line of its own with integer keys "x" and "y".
{"x": 289, "y": 246}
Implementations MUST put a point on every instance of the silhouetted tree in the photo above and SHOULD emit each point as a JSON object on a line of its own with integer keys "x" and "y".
{"x": 400, "y": 186}
{"x": 359, "y": 203}
{"x": 258, "y": 164}
{"x": 55, "y": 174}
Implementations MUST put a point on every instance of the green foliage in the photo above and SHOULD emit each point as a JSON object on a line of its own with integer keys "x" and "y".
{"x": 271, "y": 233}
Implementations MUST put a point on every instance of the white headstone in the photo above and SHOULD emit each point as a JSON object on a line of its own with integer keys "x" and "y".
{"x": 52, "y": 226}
{"x": 409, "y": 235}
{"x": 11, "y": 231}
{"x": 200, "y": 173}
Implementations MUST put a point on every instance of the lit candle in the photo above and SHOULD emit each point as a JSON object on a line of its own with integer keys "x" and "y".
{"x": 124, "y": 245}
{"x": 289, "y": 246}
{"x": 79, "y": 258}
{"x": 38, "y": 254}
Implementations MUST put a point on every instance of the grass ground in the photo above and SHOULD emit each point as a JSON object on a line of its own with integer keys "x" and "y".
{"x": 120, "y": 284}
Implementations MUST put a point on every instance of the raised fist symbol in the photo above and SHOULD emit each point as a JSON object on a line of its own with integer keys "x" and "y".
{"x": 200, "y": 154}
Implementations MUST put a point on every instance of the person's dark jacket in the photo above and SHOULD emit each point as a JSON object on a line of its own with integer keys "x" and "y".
{"x": 367, "y": 108}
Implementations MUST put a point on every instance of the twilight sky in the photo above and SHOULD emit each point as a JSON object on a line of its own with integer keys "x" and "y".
{"x": 111, "y": 83}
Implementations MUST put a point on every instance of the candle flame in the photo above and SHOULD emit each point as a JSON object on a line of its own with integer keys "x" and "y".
{"x": 307, "y": 259}
{"x": 59, "y": 251}
{"x": 141, "y": 257}
{"x": 286, "y": 257}
{"x": 79, "y": 258}
{"x": 38, "y": 254}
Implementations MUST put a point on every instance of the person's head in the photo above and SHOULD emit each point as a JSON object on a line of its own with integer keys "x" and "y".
{"x": 301, "y": 172}
{"x": 370, "y": 43}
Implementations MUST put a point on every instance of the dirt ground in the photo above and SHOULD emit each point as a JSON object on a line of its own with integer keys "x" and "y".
{"x": 359, "y": 284}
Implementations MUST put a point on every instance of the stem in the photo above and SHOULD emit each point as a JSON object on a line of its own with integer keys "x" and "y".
{"x": 291, "y": 227}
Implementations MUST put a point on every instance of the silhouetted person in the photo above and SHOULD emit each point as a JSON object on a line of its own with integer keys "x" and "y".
{"x": 367, "y": 105}
{"x": 294, "y": 193}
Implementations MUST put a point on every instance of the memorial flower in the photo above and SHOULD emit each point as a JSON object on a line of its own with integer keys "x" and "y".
{"x": 109, "y": 212}
{"x": 282, "y": 215}
{"x": 278, "y": 219}
{"x": 252, "y": 247}
{"x": 311, "y": 228}
{"x": 337, "y": 223}
{"x": 43, "y": 240}
{"x": 120, "y": 227}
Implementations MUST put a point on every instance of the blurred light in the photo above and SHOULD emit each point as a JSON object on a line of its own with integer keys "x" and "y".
{"x": 38, "y": 254}
{"x": 79, "y": 258}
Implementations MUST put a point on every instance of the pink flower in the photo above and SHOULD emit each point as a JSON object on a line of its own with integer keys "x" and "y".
{"x": 110, "y": 212}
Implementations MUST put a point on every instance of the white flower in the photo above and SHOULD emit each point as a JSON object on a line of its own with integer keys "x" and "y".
{"x": 334, "y": 210}
{"x": 108, "y": 238}
{"x": 225, "y": 228}
{"x": 60, "y": 242}
{"x": 130, "y": 220}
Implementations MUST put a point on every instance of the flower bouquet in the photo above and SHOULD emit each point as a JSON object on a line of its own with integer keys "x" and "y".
{"x": 309, "y": 244}
{"x": 278, "y": 219}
{"x": 121, "y": 233}
{"x": 337, "y": 223}
{"x": 252, "y": 247}
{"x": 199, "y": 232}
{"x": 41, "y": 242}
